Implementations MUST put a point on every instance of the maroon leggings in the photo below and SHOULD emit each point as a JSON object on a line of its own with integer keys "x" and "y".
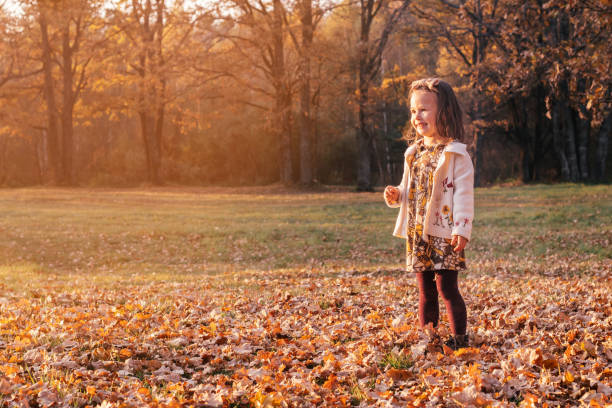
{"x": 444, "y": 282}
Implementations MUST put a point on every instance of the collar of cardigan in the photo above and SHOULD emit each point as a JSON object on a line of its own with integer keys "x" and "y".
{"x": 452, "y": 147}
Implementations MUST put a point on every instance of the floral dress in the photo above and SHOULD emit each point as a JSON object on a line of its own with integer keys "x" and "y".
{"x": 438, "y": 253}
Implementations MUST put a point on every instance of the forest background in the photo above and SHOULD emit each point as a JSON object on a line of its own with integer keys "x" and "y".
{"x": 251, "y": 92}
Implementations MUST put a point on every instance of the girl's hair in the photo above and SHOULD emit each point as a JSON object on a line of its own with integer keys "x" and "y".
{"x": 449, "y": 120}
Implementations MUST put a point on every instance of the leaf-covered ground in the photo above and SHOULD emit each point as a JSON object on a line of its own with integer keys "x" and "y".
{"x": 252, "y": 299}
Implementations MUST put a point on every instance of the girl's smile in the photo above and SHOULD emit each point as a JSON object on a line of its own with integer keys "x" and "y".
{"x": 424, "y": 110}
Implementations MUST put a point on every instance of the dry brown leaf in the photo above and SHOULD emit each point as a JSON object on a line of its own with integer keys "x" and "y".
{"x": 398, "y": 375}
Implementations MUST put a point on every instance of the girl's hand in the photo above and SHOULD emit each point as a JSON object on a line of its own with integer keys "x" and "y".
{"x": 458, "y": 242}
{"x": 391, "y": 194}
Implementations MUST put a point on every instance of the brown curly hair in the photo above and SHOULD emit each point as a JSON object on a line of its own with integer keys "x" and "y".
{"x": 449, "y": 120}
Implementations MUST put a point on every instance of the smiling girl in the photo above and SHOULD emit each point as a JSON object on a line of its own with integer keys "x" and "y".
{"x": 436, "y": 203}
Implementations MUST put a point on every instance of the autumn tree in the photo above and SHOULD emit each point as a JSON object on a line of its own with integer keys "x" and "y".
{"x": 156, "y": 41}
{"x": 249, "y": 91}
{"x": 534, "y": 65}
{"x": 21, "y": 123}
{"x": 370, "y": 52}
{"x": 579, "y": 74}
{"x": 7, "y": 64}
{"x": 144, "y": 24}
{"x": 66, "y": 46}
{"x": 309, "y": 16}
{"x": 333, "y": 83}
{"x": 550, "y": 71}
{"x": 258, "y": 35}
{"x": 308, "y": 25}
{"x": 467, "y": 30}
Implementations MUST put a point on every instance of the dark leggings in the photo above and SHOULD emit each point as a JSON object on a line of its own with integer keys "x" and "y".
{"x": 444, "y": 282}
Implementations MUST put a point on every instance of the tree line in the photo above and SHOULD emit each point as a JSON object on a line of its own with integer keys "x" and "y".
{"x": 249, "y": 92}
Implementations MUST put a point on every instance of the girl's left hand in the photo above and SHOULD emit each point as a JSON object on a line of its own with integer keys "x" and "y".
{"x": 458, "y": 242}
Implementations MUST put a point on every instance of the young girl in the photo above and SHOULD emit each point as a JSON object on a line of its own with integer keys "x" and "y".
{"x": 436, "y": 201}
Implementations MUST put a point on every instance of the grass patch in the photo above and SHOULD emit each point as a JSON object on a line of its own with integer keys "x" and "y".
{"x": 395, "y": 360}
{"x": 115, "y": 236}
{"x": 357, "y": 394}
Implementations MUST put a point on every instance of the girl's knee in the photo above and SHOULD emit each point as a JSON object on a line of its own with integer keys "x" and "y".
{"x": 449, "y": 291}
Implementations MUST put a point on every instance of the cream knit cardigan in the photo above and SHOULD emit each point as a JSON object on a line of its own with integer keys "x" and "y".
{"x": 453, "y": 186}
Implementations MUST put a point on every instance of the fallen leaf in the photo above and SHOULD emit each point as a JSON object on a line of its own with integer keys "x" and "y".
{"x": 398, "y": 375}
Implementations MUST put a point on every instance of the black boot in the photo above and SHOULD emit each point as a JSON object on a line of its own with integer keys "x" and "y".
{"x": 458, "y": 341}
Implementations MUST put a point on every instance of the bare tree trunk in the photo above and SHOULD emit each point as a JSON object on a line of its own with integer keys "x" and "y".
{"x": 146, "y": 123}
{"x": 67, "y": 108}
{"x": 387, "y": 152}
{"x": 478, "y": 143}
{"x": 145, "y": 131}
{"x": 603, "y": 138}
{"x": 531, "y": 135}
{"x": 559, "y": 141}
{"x": 364, "y": 138}
{"x": 306, "y": 161}
{"x": 479, "y": 134}
{"x": 562, "y": 33}
{"x": 160, "y": 95}
{"x": 150, "y": 133}
{"x": 540, "y": 135}
{"x": 570, "y": 142}
{"x": 377, "y": 156}
{"x": 107, "y": 147}
{"x": 151, "y": 96}
{"x": 315, "y": 138}
{"x": 364, "y": 152}
{"x": 568, "y": 130}
{"x": 283, "y": 114}
{"x": 364, "y": 142}
{"x": 583, "y": 134}
{"x": 36, "y": 145}
{"x": 518, "y": 123}
{"x": 157, "y": 145}
{"x": 283, "y": 96}
{"x": 478, "y": 56}
{"x": 55, "y": 169}
{"x": 42, "y": 154}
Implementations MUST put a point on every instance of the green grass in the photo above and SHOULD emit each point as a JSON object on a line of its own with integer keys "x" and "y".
{"x": 543, "y": 227}
{"x": 182, "y": 233}
{"x": 395, "y": 360}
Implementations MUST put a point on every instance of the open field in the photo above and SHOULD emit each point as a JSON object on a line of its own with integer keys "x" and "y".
{"x": 254, "y": 297}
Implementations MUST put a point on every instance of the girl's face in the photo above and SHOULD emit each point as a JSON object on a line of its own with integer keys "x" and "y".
{"x": 423, "y": 112}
